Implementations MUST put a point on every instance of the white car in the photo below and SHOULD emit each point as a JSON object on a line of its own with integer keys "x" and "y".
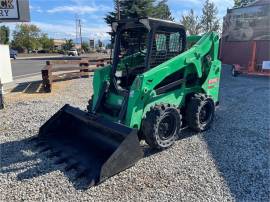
{"x": 73, "y": 52}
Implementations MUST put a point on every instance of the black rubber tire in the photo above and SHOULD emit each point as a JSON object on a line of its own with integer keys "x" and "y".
{"x": 200, "y": 112}
{"x": 155, "y": 122}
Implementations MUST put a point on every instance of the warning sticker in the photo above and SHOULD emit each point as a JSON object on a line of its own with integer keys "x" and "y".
{"x": 211, "y": 81}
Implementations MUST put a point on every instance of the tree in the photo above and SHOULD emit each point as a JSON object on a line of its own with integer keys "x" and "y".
{"x": 238, "y": 3}
{"x": 45, "y": 42}
{"x": 85, "y": 47}
{"x": 191, "y": 22}
{"x": 112, "y": 16}
{"x": 26, "y": 36}
{"x": 209, "y": 20}
{"x": 68, "y": 45}
{"x": 162, "y": 11}
{"x": 136, "y": 8}
{"x": 4, "y": 35}
{"x": 139, "y": 9}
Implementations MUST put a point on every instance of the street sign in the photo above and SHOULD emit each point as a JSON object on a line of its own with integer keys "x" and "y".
{"x": 14, "y": 11}
{"x": 92, "y": 43}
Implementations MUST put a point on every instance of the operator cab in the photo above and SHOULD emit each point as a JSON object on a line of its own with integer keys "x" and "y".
{"x": 141, "y": 44}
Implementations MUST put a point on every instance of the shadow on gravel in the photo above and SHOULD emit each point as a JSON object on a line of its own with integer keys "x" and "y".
{"x": 239, "y": 140}
{"x": 148, "y": 151}
{"x": 12, "y": 156}
{"x": 33, "y": 87}
{"x": 28, "y": 160}
{"x": 242, "y": 161}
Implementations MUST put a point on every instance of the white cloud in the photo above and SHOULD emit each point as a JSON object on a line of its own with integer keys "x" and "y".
{"x": 68, "y": 30}
{"x": 79, "y": 8}
{"x": 73, "y": 9}
{"x": 36, "y": 9}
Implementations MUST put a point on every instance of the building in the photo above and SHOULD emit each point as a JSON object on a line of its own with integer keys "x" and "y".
{"x": 58, "y": 43}
{"x": 246, "y": 35}
{"x": 78, "y": 46}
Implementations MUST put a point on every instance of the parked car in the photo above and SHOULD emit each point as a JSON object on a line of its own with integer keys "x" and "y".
{"x": 73, "y": 52}
{"x": 13, "y": 54}
{"x": 43, "y": 51}
{"x": 60, "y": 52}
{"x": 34, "y": 51}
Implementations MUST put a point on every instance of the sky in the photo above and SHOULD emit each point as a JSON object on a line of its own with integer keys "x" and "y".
{"x": 57, "y": 17}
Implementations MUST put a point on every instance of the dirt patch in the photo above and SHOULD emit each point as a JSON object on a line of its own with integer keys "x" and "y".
{"x": 34, "y": 91}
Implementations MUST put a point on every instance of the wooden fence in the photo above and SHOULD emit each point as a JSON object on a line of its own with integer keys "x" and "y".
{"x": 56, "y": 70}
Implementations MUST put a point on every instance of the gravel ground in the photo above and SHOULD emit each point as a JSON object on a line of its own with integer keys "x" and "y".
{"x": 227, "y": 163}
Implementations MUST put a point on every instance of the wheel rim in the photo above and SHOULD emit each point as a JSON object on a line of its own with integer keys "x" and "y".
{"x": 167, "y": 127}
{"x": 206, "y": 113}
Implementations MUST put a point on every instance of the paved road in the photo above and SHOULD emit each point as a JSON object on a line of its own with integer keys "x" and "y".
{"x": 28, "y": 67}
{"x": 24, "y": 68}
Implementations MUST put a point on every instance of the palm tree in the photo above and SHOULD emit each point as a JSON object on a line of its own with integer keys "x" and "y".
{"x": 68, "y": 45}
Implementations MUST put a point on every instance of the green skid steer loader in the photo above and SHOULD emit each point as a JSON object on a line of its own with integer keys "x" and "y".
{"x": 160, "y": 82}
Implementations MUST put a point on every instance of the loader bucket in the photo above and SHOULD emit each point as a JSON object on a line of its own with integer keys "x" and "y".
{"x": 94, "y": 146}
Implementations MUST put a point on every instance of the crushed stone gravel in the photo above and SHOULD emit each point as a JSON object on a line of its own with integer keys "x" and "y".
{"x": 230, "y": 162}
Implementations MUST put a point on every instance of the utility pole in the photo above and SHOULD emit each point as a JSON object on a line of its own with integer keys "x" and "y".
{"x": 79, "y": 31}
{"x": 76, "y": 21}
{"x": 80, "y": 28}
{"x": 118, "y": 10}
